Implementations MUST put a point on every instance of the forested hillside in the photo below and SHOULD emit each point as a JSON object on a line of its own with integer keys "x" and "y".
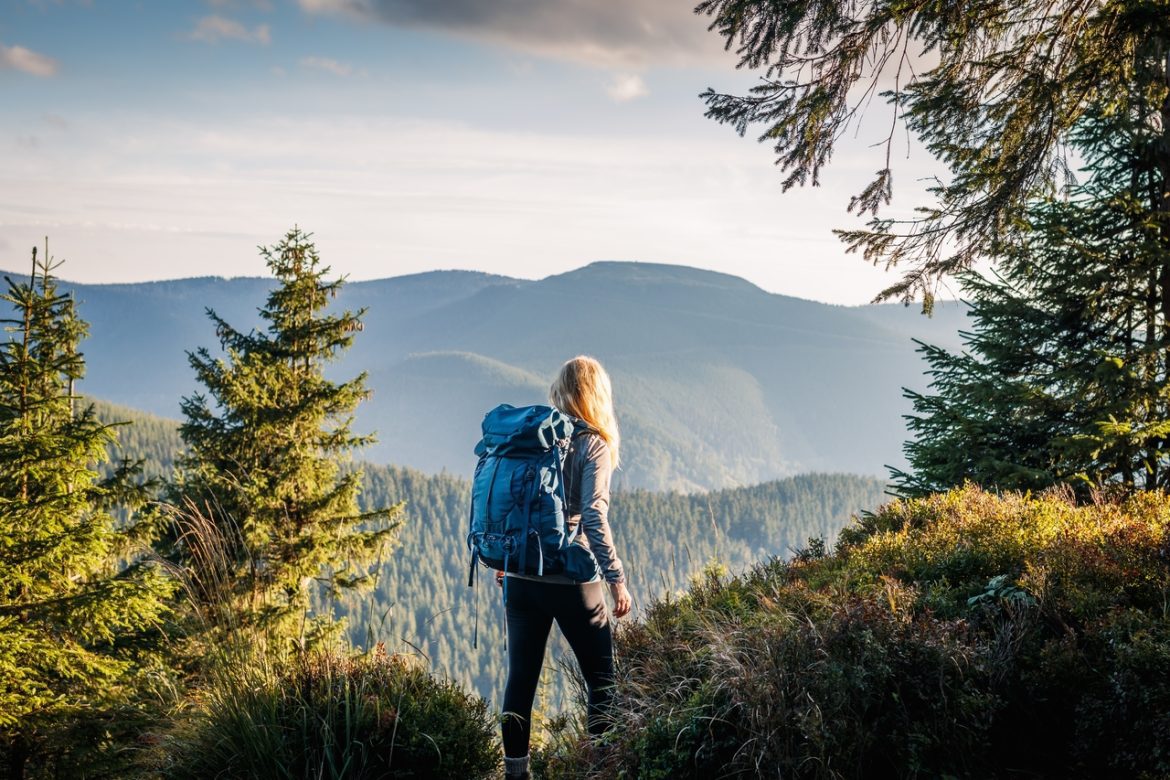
{"x": 718, "y": 383}
{"x": 422, "y": 601}
{"x": 664, "y": 538}
{"x": 155, "y": 440}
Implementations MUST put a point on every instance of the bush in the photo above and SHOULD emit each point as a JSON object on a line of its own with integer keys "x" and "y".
{"x": 788, "y": 694}
{"x": 92, "y": 742}
{"x": 963, "y": 634}
{"x": 1080, "y": 561}
{"x": 327, "y": 714}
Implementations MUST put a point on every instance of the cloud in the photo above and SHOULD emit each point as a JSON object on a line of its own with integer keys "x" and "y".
{"x": 46, "y": 3}
{"x": 450, "y": 195}
{"x": 328, "y": 65}
{"x": 626, "y": 87}
{"x": 213, "y": 29}
{"x": 609, "y": 34}
{"x": 27, "y": 61}
{"x": 55, "y": 121}
{"x": 263, "y": 5}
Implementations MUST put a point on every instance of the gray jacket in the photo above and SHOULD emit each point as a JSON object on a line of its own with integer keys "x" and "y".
{"x": 587, "y": 473}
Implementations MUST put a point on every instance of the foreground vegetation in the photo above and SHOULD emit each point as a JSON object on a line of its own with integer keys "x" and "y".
{"x": 964, "y": 634}
{"x": 140, "y": 638}
{"x": 330, "y": 715}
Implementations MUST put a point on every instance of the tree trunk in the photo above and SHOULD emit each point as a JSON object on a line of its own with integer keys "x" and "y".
{"x": 17, "y": 758}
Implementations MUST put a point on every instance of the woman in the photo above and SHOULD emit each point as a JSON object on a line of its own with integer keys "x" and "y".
{"x": 582, "y": 391}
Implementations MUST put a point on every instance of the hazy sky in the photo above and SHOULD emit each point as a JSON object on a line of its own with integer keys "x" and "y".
{"x": 163, "y": 139}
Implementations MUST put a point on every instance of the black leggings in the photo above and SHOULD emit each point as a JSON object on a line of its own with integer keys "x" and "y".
{"x": 580, "y": 611}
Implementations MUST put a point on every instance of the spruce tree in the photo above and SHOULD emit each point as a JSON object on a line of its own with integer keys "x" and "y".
{"x": 265, "y": 449}
{"x": 1064, "y": 378}
{"x": 76, "y": 602}
{"x": 994, "y": 90}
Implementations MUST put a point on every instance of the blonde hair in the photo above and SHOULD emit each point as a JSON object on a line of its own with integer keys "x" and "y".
{"x": 582, "y": 389}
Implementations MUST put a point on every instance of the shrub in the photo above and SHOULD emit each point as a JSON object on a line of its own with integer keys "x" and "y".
{"x": 326, "y": 714}
{"x": 1081, "y": 561}
{"x": 1123, "y": 713}
{"x": 108, "y": 742}
{"x": 963, "y": 634}
{"x": 788, "y": 694}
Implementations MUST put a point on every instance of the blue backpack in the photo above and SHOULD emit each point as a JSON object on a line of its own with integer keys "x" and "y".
{"x": 518, "y": 503}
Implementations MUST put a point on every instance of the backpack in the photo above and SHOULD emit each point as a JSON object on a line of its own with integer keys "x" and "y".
{"x": 518, "y": 499}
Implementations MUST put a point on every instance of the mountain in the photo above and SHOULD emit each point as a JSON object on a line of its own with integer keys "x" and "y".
{"x": 717, "y": 382}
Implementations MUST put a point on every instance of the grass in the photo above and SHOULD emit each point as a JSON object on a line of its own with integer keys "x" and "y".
{"x": 962, "y": 635}
{"x": 334, "y": 715}
{"x": 261, "y": 706}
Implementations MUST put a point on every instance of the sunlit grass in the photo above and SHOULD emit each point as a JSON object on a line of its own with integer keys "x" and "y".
{"x": 966, "y": 634}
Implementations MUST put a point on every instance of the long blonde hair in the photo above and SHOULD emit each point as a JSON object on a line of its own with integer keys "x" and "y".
{"x": 582, "y": 389}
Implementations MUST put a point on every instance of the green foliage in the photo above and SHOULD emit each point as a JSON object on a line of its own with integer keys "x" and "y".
{"x": 963, "y": 635}
{"x": 264, "y": 451}
{"x": 334, "y": 716}
{"x": 421, "y": 599}
{"x": 1078, "y": 560}
{"x": 258, "y": 707}
{"x": 1063, "y": 379}
{"x": 79, "y": 608}
{"x": 994, "y": 90}
{"x": 758, "y": 677}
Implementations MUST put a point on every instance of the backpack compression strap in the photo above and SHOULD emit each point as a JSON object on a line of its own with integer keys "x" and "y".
{"x": 471, "y": 579}
{"x": 572, "y": 537}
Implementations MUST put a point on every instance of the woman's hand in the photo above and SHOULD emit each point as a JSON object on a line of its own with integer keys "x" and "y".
{"x": 621, "y": 599}
{"x": 500, "y": 578}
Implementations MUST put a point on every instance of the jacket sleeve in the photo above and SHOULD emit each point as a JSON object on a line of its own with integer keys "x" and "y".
{"x": 595, "y": 474}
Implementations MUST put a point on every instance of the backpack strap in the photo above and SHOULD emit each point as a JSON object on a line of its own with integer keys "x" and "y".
{"x": 529, "y": 494}
{"x": 471, "y": 570}
{"x": 475, "y": 599}
{"x": 539, "y": 550}
{"x": 560, "y": 469}
{"x": 471, "y": 545}
{"x": 471, "y": 578}
{"x": 578, "y": 432}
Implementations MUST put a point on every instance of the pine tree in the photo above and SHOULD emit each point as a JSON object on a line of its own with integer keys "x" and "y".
{"x": 1065, "y": 374}
{"x": 994, "y": 90}
{"x": 75, "y": 600}
{"x": 265, "y": 449}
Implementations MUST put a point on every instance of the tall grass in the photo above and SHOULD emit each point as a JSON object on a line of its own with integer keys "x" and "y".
{"x": 265, "y": 708}
{"x": 331, "y": 715}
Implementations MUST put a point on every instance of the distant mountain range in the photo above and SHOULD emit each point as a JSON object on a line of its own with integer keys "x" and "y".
{"x": 717, "y": 382}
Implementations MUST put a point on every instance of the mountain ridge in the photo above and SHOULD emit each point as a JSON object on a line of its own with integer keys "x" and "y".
{"x": 499, "y": 278}
{"x": 718, "y": 383}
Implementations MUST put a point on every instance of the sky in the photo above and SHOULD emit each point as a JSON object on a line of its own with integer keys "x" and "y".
{"x": 170, "y": 138}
